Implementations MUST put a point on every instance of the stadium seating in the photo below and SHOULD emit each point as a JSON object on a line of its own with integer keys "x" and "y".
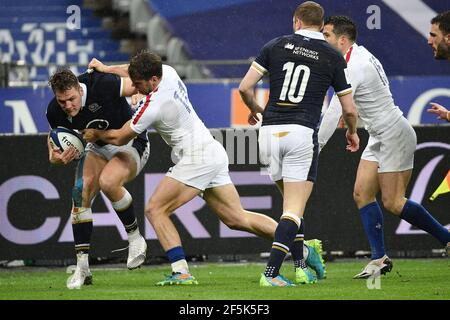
{"x": 140, "y": 14}
{"x": 39, "y": 35}
{"x": 237, "y": 29}
{"x": 158, "y": 35}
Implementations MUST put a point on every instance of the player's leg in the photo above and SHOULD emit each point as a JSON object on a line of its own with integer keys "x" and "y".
{"x": 84, "y": 190}
{"x": 308, "y": 250}
{"x": 364, "y": 193}
{"x": 289, "y": 159}
{"x": 225, "y": 202}
{"x": 393, "y": 188}
{"x": 296, "y": 195}
{"x": 393, "y": 195}
{"x": 188, "y": 178}
{"x": 395, "y": 174}
{"x": 120, "y": 169}
{"x": 305, "y": 252}
{"x": 169, "y": 195}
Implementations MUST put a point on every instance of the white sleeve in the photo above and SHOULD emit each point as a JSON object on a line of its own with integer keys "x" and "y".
{"x": 330, "y": 121}
{"x": 333, "y": 114}
{"x": 145, "y": 115}
{"x": 121, "y": 87}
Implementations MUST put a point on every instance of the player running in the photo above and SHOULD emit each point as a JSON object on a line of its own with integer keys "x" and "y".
{"x": 387, "y": 161}
{"x": 301, "y": 68}
{"x": 201, "y": 162}
{"x": 96, "y": 100}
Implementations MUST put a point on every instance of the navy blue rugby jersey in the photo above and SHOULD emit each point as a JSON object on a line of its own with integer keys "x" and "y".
{"x": 103, "y": 107}
{"x": 301, "y": 68}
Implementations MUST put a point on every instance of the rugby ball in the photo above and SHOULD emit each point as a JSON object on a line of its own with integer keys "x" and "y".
{"x": 63, "y": 138}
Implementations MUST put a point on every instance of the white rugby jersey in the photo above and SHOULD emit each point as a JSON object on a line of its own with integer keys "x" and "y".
{"x": 167, "y": 109}
{"x": 371, "y": 93}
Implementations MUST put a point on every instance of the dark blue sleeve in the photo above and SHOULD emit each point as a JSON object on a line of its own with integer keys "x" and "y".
{"x": 339, "y": 81}
{"x": 263, "y": 59}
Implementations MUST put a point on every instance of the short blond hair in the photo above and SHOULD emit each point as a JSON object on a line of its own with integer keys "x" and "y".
{"x": 310, "y": 13}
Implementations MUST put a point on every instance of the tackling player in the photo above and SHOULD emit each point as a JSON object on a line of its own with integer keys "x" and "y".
{"x": 301, "y": 68}
{"x": 387, "y": 161}
{"x": 201, "y": 162}
{"x": 96, "y": 100}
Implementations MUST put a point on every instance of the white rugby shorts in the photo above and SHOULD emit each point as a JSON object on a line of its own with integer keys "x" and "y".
{"x": 204, "y": 167}
{"x": 289, "y": 151}
{"x": 393, "y": 149}
{"x": 108, "y": 151}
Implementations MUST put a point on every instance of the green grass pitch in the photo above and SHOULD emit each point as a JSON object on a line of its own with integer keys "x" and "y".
{"x": 410, "y": 279}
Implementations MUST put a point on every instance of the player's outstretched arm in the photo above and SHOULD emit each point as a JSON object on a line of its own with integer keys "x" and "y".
{"x": 247, "y": 92}
{"x": 121, "y": 69}
{"x": 330, "y": 121}
{"x": 116, "y": 137}
{"x": 440, "y": 111}
{"x": 350, "y": 118}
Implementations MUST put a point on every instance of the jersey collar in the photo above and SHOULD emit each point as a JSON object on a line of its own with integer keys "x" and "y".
{"x": 310, "y": 34}
{"x": 348, "y": 54}
{"x": 84, "y": 96}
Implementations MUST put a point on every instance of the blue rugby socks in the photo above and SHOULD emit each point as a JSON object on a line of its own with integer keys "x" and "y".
{"x": 284, "y": 236}
{"x": 178, "y": 260}
{"x": 419, "y": 217}
{"x": 297, "y": 247}
{"x": 82, "y": 229}
{"x": 372, "y": 219}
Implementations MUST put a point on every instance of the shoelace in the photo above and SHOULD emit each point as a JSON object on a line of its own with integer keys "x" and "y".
{"x": 121, "y": 249}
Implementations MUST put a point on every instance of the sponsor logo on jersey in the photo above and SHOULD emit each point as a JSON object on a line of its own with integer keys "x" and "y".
{"x": 100, "y": 124}
{"x": 308, "y": 53}
{"x": 289, "y": 46}
{"x": 94, "y": 107}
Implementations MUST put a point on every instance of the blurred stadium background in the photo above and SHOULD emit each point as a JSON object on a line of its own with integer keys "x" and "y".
{"x": 211, "y": 44}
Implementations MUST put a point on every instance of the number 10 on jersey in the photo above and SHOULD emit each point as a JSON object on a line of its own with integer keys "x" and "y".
{"x": 291, "y": 81}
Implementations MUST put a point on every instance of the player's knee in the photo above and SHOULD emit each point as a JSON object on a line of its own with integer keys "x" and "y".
{"x": 392, "y": 204}
{"x": 149, "y": 211}
{"x": 359, "y": 198}
{"x": 233, "y": 224}
{"x": 236, "y": 222}
{"x": 153, "y": 211}
{"x": 108, "y": 184}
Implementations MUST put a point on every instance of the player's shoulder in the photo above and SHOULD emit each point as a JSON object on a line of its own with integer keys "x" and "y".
{"x": 170, "y": 80}
{"x": 363, "y": 59}
{"x": 53, "y": 107}
{"x": 278, "y": 41}
{"x": 360, "y": 54}
{"x": 169, "y": 72}
{"x": 100, "y": 84}
{"x": 95, "y": 78}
